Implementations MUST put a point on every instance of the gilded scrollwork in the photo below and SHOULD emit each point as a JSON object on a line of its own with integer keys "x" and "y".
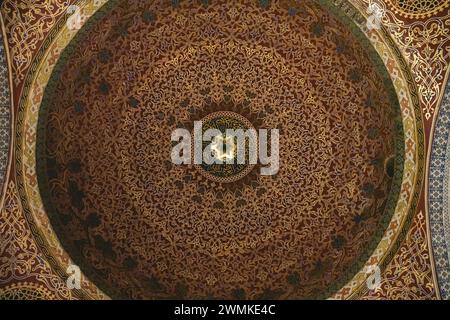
{"x": 417, "y": 9}
{"x": 425, "y": 45}
{"x": 20, "y": 259}
{"x": 409, "y": 275}
{"x": 215, "y": 60}
{"x": 423, "y": 38}
{"x": 27, "y": 24}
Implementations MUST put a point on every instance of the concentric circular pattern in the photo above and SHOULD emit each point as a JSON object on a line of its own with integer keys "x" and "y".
{"x": 224, "y": 172}
{"x": 26, "y": 291}
{"x": 142, "y": 227}
{"x": 418, "y": 8}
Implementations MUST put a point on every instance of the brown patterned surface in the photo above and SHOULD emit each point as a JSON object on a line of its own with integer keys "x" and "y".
{"x": 410, "y": 273}
{"x": 423, "y": 41}
{"x": 409, "y": 276}
{"x": 145, "y": 227}
{"x": 20, "y": 258}
{"x": 23, "y": 268}
{"x": 27, "y": 24}
{"x": 417, "y": 8}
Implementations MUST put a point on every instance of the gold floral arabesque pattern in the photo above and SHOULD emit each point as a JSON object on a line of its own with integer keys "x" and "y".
{"x": 417, "y": 9}
{"x": 315, "y": 83}
{"x": 424, "y": 44}
{"x": 26, "y": 291}
{"x": 39, "y": 225}
{"x": 38, "y": 216}
{"x": 20, "y": 259}
{"x": 27, "y": 24}
{"x": 408, "y": 276}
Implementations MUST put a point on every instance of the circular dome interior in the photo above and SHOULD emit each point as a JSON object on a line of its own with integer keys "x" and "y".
{"x": 140, "y": 226}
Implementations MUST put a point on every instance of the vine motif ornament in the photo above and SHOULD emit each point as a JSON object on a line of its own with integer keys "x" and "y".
{"x": 415, "y": 9}
{"x": 425, "y": 63}
{"x": 425, "y": 45}
{"x": 408, "y": 276}
{"x": 20, "y": 259}
{"x": 27, "y": 25}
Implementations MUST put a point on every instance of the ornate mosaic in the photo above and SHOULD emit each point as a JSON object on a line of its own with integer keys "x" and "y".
{"x": 26, "y": 291}
{"x": 248, "y": 243}
{"x": 418, "y": 8}
{"x": 92, "y": 185}
{"x": 439, "y": 195}
{"x": 225, "y": 148}
{"x": 5, "y": 107}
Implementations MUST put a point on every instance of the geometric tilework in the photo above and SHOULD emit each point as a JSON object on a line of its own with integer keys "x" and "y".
{"x": 439, "y": 193}
{"x": 5, "y": 106}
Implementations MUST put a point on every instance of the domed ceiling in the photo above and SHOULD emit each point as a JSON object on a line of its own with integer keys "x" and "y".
{"x": 127, "y": 215}
{"x": 97, "y": 186}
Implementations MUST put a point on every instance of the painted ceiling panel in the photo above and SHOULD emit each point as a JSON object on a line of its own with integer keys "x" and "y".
{"x": 355, "y": 93}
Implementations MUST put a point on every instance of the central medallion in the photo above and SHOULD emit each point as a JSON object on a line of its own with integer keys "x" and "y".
{"x": 224, "y": 148}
